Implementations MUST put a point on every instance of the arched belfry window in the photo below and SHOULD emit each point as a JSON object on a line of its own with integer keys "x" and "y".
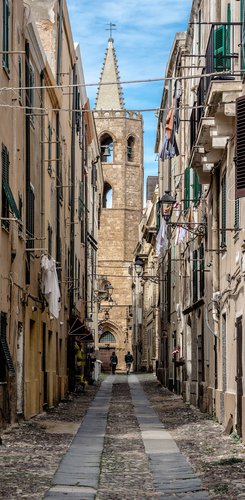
{"x": 130, "y": 148}
{"x": 106, "y": 148}
{"x": 107, "y": 196}
{"x": 107, "y": 337}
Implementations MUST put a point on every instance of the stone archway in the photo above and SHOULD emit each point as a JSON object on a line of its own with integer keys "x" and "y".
{"x": 108, "y": 342}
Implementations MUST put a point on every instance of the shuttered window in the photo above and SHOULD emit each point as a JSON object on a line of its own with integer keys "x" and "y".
{"x": 5, "y": 43}
{"x": 4, "y": 348}
{"x": 223, "y": 211}
{"x": 197, "y": 188}
{"x": 201, "y": 271}
{"x": 195, "y": 276}
{"x": 5, "y": 179}
{"x": 237, "y": 214}
{"x": 187, "y": 190}
{"x": 50, "y": 148}
{"x": 219, "y": 48}
{"x": 240, "y": 147}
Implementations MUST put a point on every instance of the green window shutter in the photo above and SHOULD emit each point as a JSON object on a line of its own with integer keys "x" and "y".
{"x": 223, "y": 211}
{"x": 187, "y": 190}
{"x": 197, "y": 188}
{"x": 228, "y": 38}
{"x": 194, "y": 276}
{"x": 201, "y": 271}
{"x": 4, "y": 344}
{"x": 219, "y": 48}
{"x": 5, "y": 39}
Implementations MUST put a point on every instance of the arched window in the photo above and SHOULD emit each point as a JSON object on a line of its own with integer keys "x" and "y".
{"x": 107, "y": 337}
{"x": 106, "y": 148}
{"x": 107, "y": 196}
{"x": 130, "y": 148}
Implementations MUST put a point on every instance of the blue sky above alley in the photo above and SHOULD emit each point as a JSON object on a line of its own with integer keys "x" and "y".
{"x": 143, "y": 40}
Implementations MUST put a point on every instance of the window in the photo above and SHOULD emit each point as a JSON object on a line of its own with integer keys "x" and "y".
{"x": 130, "y": 148}
{"x": 50, "y": 148}
{"x": 5, "y": 356}
{"x": 107, "y": 337}
{"x": 240, "y": 150}
{"x": 201, "y": 271}
{"x": 107, "y": 196}
{"x": 237, "y": 214}
{"x": 223, "y": 211}
{"x": 197, "y": 188}
{"x": 30, "y": 93}
{"x": 6, "y": 34}
{"x": 187, "y": 190}
{"x": 106, "y": 148}
{"x": 5, "y": 182}
{"x": 228, "y": 37}
{"x": 195, "y": 276}
{"x": 50, "y": 240}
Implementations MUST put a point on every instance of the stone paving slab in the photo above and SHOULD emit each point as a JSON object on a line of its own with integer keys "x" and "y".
{"x": 168, "y": 465}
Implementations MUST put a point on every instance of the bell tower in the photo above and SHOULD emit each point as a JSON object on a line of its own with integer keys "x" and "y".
{"x": 120, "y": 134}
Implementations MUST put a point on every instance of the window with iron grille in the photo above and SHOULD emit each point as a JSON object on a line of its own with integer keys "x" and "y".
{"x": 5, "y": 45}
{"x": 195, "y": 276}
{"x": 5, "y": 180}
{"x": 107, "y": 337}
{"x": 223, "y": 211}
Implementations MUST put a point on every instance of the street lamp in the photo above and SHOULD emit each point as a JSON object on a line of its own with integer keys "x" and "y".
{"x": 167, "y": 201}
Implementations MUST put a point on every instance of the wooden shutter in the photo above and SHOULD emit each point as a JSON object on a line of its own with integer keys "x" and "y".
{"x": 237, "y": 213}
{"x": 197, "y": 188}
{"x": 4, "y": 344}
{"x": 187, "y": 190}
{"x": 240, "y": 147}
{"x": 5, "y": 180}
{"x": 219, "y": 48}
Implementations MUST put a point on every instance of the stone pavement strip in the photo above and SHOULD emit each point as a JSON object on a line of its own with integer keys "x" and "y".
{"x": 117, "y": 432}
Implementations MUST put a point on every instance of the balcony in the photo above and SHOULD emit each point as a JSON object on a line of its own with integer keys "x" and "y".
{"x": 212, "y": 116}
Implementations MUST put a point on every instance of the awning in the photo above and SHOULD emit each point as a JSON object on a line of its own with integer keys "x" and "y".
{"x": 77, "y": 329}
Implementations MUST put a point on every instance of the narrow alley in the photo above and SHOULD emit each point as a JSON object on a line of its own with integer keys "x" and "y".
{"x": 123, "y": 438}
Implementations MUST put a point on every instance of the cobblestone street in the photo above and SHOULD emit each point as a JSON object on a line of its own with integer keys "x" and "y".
{"x": 124, "y": 449}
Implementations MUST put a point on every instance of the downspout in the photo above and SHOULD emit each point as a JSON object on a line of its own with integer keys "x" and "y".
{"x": 59, "y": 48}
{"x": 215, "y": 246}
{"x": 42, "y": 210}
{"x": 73, "y": 161}
{"x": 28, "y": 161}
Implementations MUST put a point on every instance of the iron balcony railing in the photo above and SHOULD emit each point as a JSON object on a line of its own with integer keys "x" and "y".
{"x": 225, "y": 53}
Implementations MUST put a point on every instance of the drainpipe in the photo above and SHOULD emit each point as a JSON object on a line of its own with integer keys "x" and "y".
{"x": 59, "y": 48}
{"x": 42, "y": 211}
{"x": 215, "y": 246}
{"x": 73, "y": 180}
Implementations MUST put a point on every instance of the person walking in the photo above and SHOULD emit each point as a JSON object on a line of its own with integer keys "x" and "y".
{"x": 128, "y": 360}
{"x": 114, "y": 362}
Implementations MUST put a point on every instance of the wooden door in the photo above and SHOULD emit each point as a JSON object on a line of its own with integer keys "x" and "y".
{"x": 239, "y": 376}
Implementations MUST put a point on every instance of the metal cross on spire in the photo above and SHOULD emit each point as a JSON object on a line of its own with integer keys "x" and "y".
{"x": 111, "y": 29}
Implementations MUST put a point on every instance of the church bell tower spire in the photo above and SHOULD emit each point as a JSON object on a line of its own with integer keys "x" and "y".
{"x": 109, "y": 95}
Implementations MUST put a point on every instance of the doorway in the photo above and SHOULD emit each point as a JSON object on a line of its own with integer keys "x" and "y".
{"x": 239, "y": 375}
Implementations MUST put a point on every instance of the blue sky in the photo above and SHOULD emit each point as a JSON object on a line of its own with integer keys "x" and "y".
{"x": 143, "y": 40}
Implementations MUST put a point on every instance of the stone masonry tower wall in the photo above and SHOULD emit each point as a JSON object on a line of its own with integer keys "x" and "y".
{"x": 123, "y": 172}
